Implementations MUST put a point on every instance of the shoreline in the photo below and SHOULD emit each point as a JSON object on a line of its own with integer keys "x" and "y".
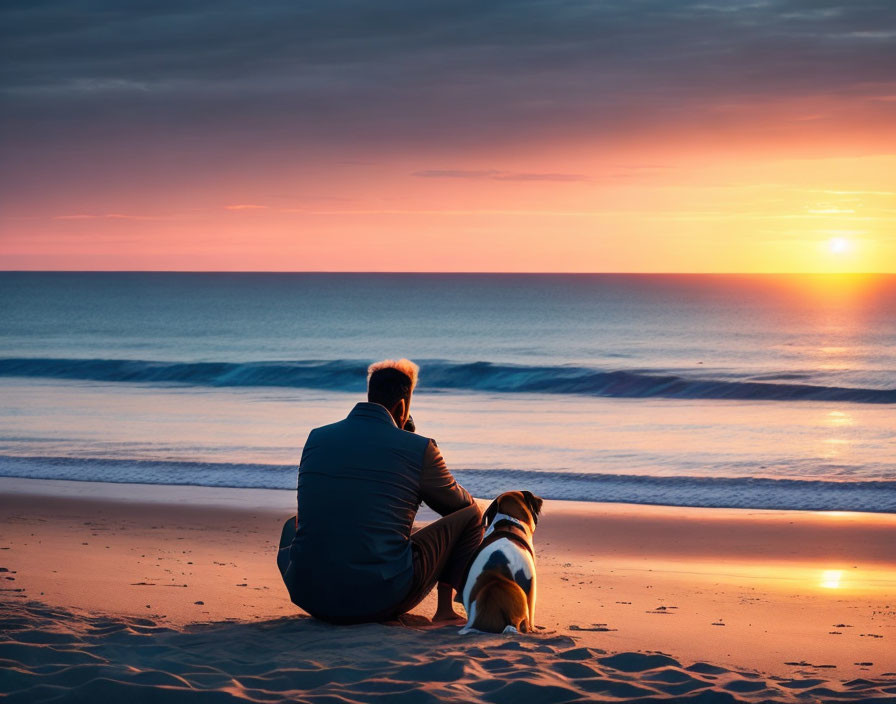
{"x": 163, "y": 492}
{"x": 840, "y": 535}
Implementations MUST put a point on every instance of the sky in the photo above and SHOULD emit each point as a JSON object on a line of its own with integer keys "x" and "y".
{"x": 398, "y": 135}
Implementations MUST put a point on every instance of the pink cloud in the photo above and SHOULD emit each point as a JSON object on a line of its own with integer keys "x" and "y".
{"x": 105, "y": 216}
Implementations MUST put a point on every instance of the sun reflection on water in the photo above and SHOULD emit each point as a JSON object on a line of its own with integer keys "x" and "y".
{"x": 830, "y": 579}
{"x": 839, "y": 418}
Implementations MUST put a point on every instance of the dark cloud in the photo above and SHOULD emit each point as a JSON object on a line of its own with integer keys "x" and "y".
{"x": 561, "y": 178}
{"x": 457, "y": 173}
{"x": 459, "y": 73}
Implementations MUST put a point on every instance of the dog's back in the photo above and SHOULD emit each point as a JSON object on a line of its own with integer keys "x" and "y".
{"x": 499, "y": 602}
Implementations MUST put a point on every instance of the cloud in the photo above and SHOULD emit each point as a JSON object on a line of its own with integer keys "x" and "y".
{"x": 402, "y": 71}
{"x": 102, "y": 100}
{"x": 541, "y": 177}
{"x": 245, "y": 206}
{"x": 496, "y": 175}
{"x": 456, "y": 173}
{"x": 107, "y": 216}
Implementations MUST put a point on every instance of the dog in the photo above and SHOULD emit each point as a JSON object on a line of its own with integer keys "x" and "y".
{"x": 499, "y": 589}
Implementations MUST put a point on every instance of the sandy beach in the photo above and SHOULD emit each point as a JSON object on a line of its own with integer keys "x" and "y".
{"x": 151, "y": 592}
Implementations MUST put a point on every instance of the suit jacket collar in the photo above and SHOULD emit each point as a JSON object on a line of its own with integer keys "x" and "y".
{"x": 373, "y": 411}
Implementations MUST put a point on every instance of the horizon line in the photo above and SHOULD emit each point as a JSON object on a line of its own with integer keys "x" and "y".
{"x": 477, "y": 273}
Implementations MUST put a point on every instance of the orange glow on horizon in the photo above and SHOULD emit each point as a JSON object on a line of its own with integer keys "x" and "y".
{"x": 555, "y": 209}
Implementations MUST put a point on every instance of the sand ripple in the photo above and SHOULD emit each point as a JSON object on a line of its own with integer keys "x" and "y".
{"x": 49, "y": 654}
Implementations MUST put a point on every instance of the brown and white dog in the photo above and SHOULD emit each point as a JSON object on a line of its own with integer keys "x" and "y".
{"x": 499, "y": 590}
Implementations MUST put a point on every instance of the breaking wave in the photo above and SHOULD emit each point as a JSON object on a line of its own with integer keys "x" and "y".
{"x": 717, "y": 492}
{"x": 349, "y": 375}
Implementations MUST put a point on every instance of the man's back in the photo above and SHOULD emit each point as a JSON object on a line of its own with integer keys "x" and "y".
{"x": 358, "y": 492}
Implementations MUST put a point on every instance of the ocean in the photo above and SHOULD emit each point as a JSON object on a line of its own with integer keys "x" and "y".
{"x": 762, "y": 392}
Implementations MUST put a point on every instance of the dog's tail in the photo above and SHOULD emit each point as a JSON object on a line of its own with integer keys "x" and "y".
{"x": 500, "y": 602}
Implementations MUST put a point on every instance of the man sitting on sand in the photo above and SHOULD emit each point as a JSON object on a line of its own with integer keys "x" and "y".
{"x": 349, "y": 556}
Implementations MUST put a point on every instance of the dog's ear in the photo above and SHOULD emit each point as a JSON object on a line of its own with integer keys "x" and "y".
{"x": 534, "y": 502}
{"x": 490, "y": 512}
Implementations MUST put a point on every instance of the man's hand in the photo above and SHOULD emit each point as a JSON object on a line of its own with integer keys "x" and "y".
{"x": 409, "y": 424}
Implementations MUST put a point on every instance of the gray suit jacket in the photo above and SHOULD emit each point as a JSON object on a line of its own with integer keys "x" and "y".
{"x": 361, "y": 481}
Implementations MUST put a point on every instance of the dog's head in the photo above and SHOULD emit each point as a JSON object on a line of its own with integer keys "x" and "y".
{"x": 522, "y": 505}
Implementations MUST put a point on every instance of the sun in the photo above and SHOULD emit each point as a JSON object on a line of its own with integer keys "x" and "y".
{"x": 839, "y": 245}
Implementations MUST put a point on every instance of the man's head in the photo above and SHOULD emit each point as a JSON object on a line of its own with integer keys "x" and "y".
{"x": 390, "y": 383}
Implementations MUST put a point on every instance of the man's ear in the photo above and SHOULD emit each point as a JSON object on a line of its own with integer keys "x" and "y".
{"x": 534, "y": 502}
{"x": 490, "y": 512}
{"x": 397, "y": 412}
